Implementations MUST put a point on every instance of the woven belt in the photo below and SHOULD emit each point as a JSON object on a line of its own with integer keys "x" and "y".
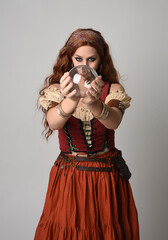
{"x": 90, "y": 169}
{"x": 116, "y": 163}
{"x": 81, "y": 158}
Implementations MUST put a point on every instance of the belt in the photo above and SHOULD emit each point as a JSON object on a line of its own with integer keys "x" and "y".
{"x": 90, "y": 169}
{"x": 115, "y": 163}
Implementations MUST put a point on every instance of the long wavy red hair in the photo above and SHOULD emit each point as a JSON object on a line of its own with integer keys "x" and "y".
{"x": 64, "y": 64}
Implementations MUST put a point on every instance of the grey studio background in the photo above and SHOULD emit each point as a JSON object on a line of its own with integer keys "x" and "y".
{"x": 32, "y": 33}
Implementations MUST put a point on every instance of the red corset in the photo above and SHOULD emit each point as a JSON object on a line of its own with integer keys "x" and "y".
{"x": 72, "y": 137}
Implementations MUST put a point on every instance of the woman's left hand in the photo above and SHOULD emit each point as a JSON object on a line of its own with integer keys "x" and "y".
{"x": 95, "y": 91}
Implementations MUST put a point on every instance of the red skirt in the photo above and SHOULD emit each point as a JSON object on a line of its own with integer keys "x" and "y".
{"x": 88, "y": 205}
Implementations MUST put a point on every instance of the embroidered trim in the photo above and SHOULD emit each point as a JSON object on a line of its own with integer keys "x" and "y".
{"x": 121, "y": 96}
{"x": 83, "y": 114}
{"x": 83, "y": 36}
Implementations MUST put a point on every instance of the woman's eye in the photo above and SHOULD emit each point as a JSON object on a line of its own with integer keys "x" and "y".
{"x": 92, "y": 59}
{"x": 78, "y": 59}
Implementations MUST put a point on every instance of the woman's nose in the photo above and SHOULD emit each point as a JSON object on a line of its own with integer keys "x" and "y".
{"x": 85, "y": 62}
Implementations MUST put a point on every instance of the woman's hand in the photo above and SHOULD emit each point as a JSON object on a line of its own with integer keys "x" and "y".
{"x": 66, "y": 85}
{"x": 95, "y": 91}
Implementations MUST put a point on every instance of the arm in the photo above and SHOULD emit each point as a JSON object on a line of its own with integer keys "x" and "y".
{"x": 68, "y": 105}
{"x": 114, "y": 117}
{"x": 54, "y": 120}
{"x": 95, "y": 105}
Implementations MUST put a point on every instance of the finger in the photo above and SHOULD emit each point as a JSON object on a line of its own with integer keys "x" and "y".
{"x": 67, "y": 89}
{"x": 99, "y": 81}
{"x": 72, "y": 94}
{"x": 96, "y": 86}
{"x": 65, "y": 82}
{"x": 94, "y": 93}
{"x": 64, "y": 77}
{"x": 88, "y": 98}
{"x": 89, "y": 94}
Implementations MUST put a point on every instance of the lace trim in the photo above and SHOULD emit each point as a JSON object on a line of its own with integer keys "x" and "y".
{"x": 121, "y": 96}
{"x": 83, "y": 113}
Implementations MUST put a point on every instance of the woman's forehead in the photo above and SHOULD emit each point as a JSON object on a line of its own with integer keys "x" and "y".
{"x": 86, "y": 50}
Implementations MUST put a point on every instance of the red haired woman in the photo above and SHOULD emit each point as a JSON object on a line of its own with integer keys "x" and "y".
{"x": 89, "y": 194}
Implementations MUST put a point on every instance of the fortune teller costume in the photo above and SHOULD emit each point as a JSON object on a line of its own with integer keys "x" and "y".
{"x": 89, "y": 195}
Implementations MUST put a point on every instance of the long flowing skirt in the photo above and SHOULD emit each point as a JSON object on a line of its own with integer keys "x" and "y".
{"x": 88, "y": 205}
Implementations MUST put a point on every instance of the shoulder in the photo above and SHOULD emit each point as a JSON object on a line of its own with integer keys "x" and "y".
{"x": 55, "y": 85}
{"x": 51, "y": 96}
{"x": 116, "y": 87}
{"x": 117, "y": 92}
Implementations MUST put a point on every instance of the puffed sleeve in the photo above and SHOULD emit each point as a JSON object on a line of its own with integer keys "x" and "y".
{"x": 118, "y": 99}
{"x": 51, "y": 97}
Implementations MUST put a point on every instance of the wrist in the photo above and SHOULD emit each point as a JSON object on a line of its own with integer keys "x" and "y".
{"x": 104, "y": 113}
{"x": 73, "y": 101}
{"x": 61, "y": 112}
{"x": 95, "y": 107}
{"x": 96, "y": 103}
{"x": 68, "y": 106}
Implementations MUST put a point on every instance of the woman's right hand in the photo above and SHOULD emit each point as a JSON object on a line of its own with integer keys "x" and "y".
{"x": 66, "y": 85}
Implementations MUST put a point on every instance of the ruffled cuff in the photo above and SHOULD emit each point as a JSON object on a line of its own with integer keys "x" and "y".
{"x": 51, "y": 97}
{"x": 121, "y": 96}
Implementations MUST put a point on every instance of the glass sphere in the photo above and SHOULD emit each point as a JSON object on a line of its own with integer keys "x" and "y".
{"x": 82, "y": 76}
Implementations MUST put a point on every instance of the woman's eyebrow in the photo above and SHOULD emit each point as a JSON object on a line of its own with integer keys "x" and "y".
{"x": 92, "y": 56}
{"x": 76, "y": 55}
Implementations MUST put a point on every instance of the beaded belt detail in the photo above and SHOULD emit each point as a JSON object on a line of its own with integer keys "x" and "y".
{"x": 115, "y": 163}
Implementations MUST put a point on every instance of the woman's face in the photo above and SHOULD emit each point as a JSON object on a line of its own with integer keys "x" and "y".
{"x": 86, "y": 55}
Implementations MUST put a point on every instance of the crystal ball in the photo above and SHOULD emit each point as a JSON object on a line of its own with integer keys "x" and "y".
{"x": 82, "y": 76}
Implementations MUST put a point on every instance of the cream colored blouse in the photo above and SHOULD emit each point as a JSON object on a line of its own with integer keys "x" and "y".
{"x": 53, "y": 95}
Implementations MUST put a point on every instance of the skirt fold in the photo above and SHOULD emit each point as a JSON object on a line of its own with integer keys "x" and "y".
{"x": 87, "y": 205}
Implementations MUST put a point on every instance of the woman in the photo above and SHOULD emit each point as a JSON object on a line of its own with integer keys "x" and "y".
{"x": 89, "y": 195}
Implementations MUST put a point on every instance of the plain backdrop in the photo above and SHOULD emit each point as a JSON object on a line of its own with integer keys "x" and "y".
{"x": 32, "y": 33}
